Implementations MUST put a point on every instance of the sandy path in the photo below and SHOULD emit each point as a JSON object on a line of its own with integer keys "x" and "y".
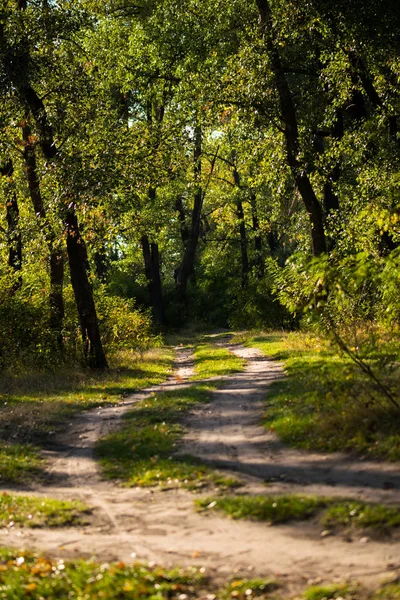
{"x": 162, "y": 527}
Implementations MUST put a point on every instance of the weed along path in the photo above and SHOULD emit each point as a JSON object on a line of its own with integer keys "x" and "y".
{"x": 161, "y": 524}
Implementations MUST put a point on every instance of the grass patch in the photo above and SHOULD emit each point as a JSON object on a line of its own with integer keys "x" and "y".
{"x": 17, "y": 461}
{"x": 33, "y": 511}
{"x": 360, "y": 515}
{"x": 36, "y": 405}
{"x": 325, "y": 403}
{"x": 272, "y": 509}
{"x": 330, "y": 592}
{"x": 333, "y": 513}
{"x": 142, "y": 452}
{"x": 243, "y": 589}
{"x": 212, "y": 361}
{"x": 24, "y": 575}
{"x": 389, "y": 591}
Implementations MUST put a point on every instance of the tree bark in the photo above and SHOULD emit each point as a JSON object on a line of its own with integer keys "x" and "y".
{"x": 56, "y": 257}
{"x": 93, "y": 350}
{"x": 258, "y": 260}
{"x": 79, "y": 269}
{"x": 152, "y": 269}
{"x": 289, "y": 118}
{"x": 331, "y": 200}
{"x": 242, "y": 230}
{"x": 14, "y": 240}
{"x": 182, "y": 220}
{"x": 186, "y": 267}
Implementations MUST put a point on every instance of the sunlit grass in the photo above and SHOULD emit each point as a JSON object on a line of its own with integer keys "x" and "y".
{"x": 389, "y": 591}
{"x": 333, "y": 514}
{"x": 344, "y": 591}
{"x": 25, "y": 575}
{"x": 325, "y": 403}
{"x": 33, "y": 511}
{"x": 243, "y": 589}
{"x": 36, "y": 405}
{"x": 143, "y": 452}
{"x": 271, "y": 509}
{"x": 213, "y": 361}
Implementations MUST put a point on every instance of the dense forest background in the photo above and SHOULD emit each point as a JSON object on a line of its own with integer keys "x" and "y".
{"x": 171, "y": 162}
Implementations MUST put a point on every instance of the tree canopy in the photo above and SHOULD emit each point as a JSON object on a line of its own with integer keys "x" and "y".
{"x": 235, "y": 164}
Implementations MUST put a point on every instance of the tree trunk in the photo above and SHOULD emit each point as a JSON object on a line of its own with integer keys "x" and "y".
{"x": 331, "y": 200}
{"x": 182, "y": 220}
{"x": 56, "y": 257}
{"x": 186, "y": 267}
{"x": 289, "y": 118}
{"x": 258, "y": 260}
{"x": 79, "y": 269}
{"x": 13, "y": 234}
{"x": 152, "y": 269}
{"x": 242, "y": 229}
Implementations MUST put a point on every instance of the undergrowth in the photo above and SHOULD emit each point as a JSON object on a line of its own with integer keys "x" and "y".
{"x": 325, "y": 402}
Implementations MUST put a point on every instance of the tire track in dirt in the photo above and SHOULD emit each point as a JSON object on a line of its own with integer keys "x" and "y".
{"x": 228, "y": 433}
{"x": 152, "y": 525}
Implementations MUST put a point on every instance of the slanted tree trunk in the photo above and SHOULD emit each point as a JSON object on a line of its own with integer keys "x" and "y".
{"x": 152, "y": 269}
{"x": 79, "y": 269}
{"x": 289, "y": 118}
{"x": 56, "y": 256}
{"x": 13, "y": 233}
{"x": 77, "y": 253}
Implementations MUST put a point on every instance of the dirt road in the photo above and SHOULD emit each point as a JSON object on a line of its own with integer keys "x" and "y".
{"x": 163, "y": 527}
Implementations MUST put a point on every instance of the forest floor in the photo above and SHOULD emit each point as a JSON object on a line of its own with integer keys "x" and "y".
{"x": 161, "y": 525}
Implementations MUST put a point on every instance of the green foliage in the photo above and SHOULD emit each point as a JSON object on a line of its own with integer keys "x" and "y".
{"x": 122, "y": 325}
{"x": 31, "y": 511}
{"x": 25, "y": 337}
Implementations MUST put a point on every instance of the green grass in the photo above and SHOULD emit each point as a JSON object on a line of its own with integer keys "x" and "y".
{"x": 24, "y": 575}
{"x": 272, "y": 509}
{"x": 142, "y": 452}
{"x": 332, "y": 513}
{"x": 33, "y": 511}
{"x": 243, "y": 589}
{"x": 325, "y": 403}
{"x": 212, "y": 361}
{"x": 377, "y": 517}
{"x": 330, "y": 592}
{"x": 389, "y": 591}
{"x": 18, "y": 461}
{"x": 34, "y": 406}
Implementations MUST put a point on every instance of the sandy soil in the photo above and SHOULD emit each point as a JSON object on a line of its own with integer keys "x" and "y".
{"x": 163, "y": 527}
